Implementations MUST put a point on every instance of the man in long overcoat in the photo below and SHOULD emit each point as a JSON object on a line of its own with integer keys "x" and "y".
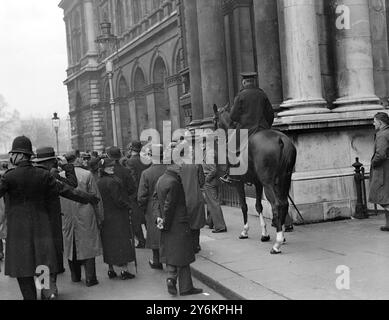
{"x": 66, "y": 184}
{"x": 150, "y": 206}
{"x": 192, "y": 176}
{"x": 176, "y": 240}
{"x": 136, "y": 165}
{"x": 379, "y": 174}
{"x": 81, "y": 224}
{"x": 30, "y": 244}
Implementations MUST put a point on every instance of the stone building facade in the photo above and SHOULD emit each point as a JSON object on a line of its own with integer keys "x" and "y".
{"x": 323, "y": 63}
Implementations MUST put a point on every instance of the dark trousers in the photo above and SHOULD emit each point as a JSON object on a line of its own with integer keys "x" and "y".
{"x": 75, "y": 267}
{"x": 27, "y": 287}
{"x": 213, "y": 205}
{"x": 183, "y": 275}
{"x": 1, "y": 246}
{"x": 195, "y": 240}
{"x": 156, "y": 259}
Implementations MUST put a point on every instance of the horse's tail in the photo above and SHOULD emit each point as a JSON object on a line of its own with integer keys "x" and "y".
{"x": 287, "y": 163}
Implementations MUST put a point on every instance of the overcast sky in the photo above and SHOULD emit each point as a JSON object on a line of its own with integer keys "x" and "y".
{"x": 33, "y": 57}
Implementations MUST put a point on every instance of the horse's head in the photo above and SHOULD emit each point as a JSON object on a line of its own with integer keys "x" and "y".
{"x": 221, "y": 118}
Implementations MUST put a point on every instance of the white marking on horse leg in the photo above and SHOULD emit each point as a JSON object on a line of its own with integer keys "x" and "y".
{"x": 263, "y": 225}
{"x": 279, "y": 241}
{"x": 245, "y": 232}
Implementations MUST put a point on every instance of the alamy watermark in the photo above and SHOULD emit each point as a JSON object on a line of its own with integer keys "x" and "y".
{"x": 343, "y": 19}
{"x": 343, "y": 280}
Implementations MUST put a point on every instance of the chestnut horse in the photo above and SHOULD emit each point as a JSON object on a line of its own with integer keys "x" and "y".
{"x": 271, "y": 162}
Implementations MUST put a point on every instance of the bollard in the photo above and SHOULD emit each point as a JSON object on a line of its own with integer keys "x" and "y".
{"x": 359, "y": 178}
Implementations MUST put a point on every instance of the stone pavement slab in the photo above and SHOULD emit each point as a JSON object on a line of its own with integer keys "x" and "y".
{"x": 148, "y": 285}
{"x": 244, "y": 269}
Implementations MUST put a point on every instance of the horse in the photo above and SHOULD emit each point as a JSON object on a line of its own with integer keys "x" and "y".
{"x": 271, "y": 163}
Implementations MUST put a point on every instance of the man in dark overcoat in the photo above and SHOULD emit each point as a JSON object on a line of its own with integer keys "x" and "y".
{"x": 149, "y": 205}
{"x": 379, "y": 174}
{"x": 176, "y": 240}
{"x": 137, "y": 166}
{"x": 193, "y": 180}
{"x": 30, "y": 244}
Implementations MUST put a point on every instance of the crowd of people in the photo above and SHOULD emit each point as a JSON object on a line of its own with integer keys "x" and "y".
{"x": 82, "y": 205}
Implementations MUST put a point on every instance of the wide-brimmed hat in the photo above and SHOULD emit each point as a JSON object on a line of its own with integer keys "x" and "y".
{"x": 22, "y": 144}
{"x": 114, "y": 153}
{"x": 44, "y": 154}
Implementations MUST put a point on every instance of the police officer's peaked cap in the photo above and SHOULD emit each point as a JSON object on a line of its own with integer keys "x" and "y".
{"x": 22, "y": 144}
{"x": 249, "y": 75}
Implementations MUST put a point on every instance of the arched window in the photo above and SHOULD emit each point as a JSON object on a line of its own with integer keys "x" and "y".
{"x": 123, "y": 88}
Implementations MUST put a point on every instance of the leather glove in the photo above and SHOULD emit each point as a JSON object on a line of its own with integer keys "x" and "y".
{"x": 93, "y": 199}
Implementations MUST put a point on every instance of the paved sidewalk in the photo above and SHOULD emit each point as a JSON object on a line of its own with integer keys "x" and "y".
{"x": 244, "y": 269}
{"x": 148, "y": 285}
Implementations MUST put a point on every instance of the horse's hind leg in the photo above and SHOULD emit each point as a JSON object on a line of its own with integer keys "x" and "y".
{"x": 243, "y": 205}
{"x": 265, "y": 237}
{"x": 276, "y": 204}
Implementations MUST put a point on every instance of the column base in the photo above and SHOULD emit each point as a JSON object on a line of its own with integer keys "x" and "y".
{"x": 303, "y": 107}
{"x": 357, "y": 104}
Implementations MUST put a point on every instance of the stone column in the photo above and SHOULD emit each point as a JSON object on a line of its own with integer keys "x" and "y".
{"x": 354, "y": 57}
{"x": 90, "y": 27}
{"x": 193, "y": 52}
{"x": 151, "y": 112}
{"x": 133, "y": 117}
{"x": 230, "y": 63}
{"x": 118, "y": 125}
{"x": 243, "y": 38}
{"x": 212, "y": 55}
{"x": 302, "y": 59}
{"x": 173, "y": 84}
{"x": 268, "y": 49}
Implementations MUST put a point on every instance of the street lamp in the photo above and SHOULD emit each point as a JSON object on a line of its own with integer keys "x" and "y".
{"x": 105, "y": 40}
{"x": 56, "y": 121}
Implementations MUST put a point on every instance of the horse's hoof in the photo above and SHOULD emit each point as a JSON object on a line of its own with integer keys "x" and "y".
{"x": 289, "y": 229}
{"x": 284, "y": 242}
{"x": 265, "y": 239}
{"x": 274, "y": 251}
{"x": 243, "y": 237}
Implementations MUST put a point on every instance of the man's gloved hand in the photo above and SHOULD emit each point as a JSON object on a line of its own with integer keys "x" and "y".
{"x": 93, "y": 199}
{"x": 55, "y": 173}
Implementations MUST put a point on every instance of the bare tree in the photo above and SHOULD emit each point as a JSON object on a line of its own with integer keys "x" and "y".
{"x": 9, "y": 120}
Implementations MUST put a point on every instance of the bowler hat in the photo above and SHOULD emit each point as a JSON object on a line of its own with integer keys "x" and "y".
{"x": 45, "y": 154}
{"x": 22, "y": 144}
{"x": 114, "y": 153}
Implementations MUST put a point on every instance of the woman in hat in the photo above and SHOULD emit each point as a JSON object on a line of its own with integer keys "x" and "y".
{"x": 115, "y": 234}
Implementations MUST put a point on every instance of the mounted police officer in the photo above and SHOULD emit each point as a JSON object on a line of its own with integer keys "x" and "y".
{"x": 252, "y": 111}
